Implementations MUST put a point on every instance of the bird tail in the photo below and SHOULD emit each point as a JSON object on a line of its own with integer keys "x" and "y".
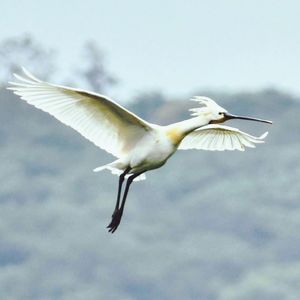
{"x": 116, "y": 170}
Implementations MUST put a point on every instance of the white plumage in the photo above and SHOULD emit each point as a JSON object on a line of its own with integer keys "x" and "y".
{"x": 220, "y": 138}
{"x": 138, "y": 145}
{"x": 96, "y": 117}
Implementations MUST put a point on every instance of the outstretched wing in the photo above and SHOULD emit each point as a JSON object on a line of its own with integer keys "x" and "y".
{"x": 96, "y": 117}
{"x": 220, "y": 138}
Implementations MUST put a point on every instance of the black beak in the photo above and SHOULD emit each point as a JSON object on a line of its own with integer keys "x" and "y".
{"x": 228, "y": 116}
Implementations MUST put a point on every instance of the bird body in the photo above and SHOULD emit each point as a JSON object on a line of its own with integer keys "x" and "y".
{"x": 150, "y": 152}
{"x": 138, "y": 145}
{"x": 155, "y": 147}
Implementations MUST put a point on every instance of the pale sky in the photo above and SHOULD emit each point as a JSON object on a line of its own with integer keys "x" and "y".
{"x": 173, "y": 46}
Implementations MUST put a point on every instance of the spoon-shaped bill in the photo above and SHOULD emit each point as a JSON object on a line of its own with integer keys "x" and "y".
{"x": 229, "y": 116}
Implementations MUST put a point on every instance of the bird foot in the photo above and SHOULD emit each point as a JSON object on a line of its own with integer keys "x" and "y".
{"x": 116, "y": 219}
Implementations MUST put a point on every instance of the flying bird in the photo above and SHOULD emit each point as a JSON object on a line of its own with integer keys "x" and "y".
{"x": 138, "y": 145}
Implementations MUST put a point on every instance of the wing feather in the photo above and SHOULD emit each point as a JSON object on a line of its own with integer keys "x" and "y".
{"x": 96, "y": 117}
{"x": 220, "y": 138}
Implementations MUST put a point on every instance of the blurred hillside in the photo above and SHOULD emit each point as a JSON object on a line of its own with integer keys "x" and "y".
{"x": 213, "y": 226}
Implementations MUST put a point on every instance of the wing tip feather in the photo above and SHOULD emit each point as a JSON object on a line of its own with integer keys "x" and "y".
{"x": 264, "y": 135}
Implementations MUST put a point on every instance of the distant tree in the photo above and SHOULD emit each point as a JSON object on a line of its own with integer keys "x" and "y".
{"x": 24, "y": 51}
{"x": 94, "y": 72}
{"x": 146, "y": 104}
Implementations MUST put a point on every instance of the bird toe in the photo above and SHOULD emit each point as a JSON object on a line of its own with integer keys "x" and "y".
{"x": 116, "y": 218}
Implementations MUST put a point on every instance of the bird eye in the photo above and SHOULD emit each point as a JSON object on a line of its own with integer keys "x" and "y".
{"x": 220, "y": 113}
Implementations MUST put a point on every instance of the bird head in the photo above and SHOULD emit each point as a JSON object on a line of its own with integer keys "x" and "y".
{"x": 215, "y": 113}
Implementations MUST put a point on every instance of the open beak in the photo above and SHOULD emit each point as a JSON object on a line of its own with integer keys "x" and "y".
{"x": 228, "y": 116}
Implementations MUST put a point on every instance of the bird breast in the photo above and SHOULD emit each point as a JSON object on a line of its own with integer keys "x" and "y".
{"x": 152, "y": 151}
{"x": 174, "y": 135}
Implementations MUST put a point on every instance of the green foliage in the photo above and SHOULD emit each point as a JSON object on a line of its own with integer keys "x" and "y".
{"x": 205, "y": 226}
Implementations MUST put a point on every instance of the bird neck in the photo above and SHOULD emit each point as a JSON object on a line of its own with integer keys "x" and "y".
{"x": 192, "y": 124}
{"x": 177, "y": 131}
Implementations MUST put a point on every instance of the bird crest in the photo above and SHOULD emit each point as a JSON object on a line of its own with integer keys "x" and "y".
{"x": 208, "y": 106}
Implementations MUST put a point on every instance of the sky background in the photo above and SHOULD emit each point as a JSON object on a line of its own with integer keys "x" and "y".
{"x": 174, "y": 46}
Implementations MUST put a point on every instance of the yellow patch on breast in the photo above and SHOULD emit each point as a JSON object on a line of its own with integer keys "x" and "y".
{"x": 175, "y": 135}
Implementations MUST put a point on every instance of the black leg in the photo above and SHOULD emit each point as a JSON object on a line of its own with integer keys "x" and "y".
{"x": 117, "y": 216}
{"x": 121, "y": 180}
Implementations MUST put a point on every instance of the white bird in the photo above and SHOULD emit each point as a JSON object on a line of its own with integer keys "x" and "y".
{"x": 138, "y": 145}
